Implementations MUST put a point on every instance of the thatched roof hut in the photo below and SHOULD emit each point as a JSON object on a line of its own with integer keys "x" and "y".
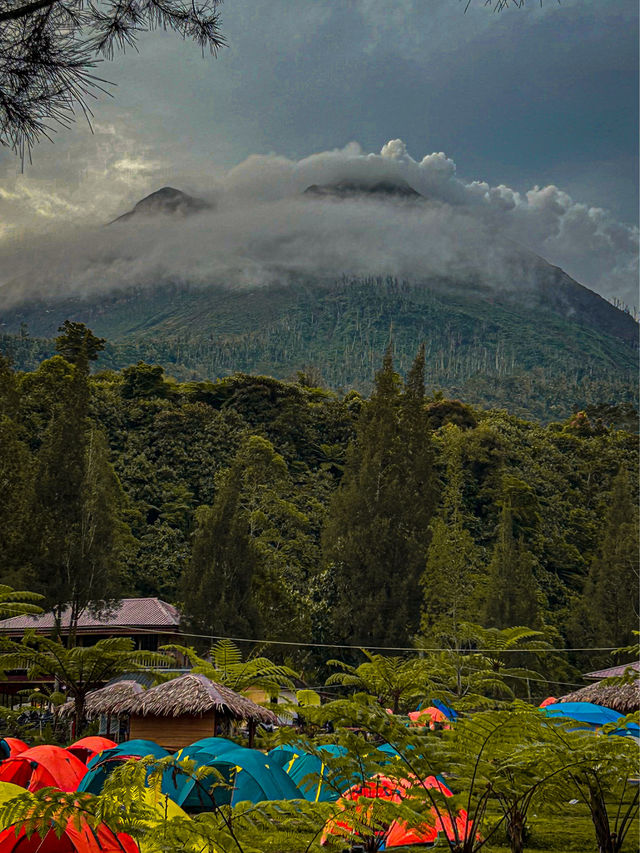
{"x": 178, "y": 712}
{"x": 196, "y": 694}
{"x": 624, "y": 698}
{"x": 111, "y": 700}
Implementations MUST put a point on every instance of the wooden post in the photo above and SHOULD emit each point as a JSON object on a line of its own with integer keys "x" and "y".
{"x": 252, "y": 731}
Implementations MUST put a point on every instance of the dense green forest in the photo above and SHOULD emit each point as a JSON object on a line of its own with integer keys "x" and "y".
{"x": 286, "y": 511}
{"x": 538, "y": 357}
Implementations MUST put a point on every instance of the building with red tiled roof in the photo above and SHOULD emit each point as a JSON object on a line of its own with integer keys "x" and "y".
{"x": 612, "y": 671}
{"x": 149, "y": 622}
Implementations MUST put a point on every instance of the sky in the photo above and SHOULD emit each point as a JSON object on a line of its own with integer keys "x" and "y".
{"x": 533, "y": 109}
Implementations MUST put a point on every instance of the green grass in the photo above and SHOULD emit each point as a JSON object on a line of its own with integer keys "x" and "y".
{"x": 570, "y": 831}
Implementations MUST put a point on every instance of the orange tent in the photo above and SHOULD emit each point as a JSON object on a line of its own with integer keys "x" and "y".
{"x": 550, "y": 700}
{"x": 72, "y": 840}
{"x": 88, "y": 747}
{"x": 10, "y": 746}
{"x": 43, "y": 766}
{"x": 399, "y": 834}
{"x": 428, "y": 716}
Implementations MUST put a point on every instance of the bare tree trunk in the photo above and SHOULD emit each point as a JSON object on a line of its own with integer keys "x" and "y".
{"x": 600, "y": 818}
{"x": 78, "y": 717}
{"x": 515, "y": 832}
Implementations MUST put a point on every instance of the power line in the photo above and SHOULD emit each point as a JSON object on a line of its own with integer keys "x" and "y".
{"x": 360, "y": 646}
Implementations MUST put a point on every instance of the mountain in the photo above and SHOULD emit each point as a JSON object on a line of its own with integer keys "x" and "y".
{"x": 539, "y": 347}
{"x": 167, "y": 201}
{"x": 350, "y": 189}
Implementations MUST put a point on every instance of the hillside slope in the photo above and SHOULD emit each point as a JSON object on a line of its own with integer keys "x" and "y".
{"x": 490, "y": 350}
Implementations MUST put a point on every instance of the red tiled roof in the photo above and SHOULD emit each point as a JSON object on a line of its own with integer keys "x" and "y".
{"x": 613, "y": 671}
{"x": 147, "y": 613}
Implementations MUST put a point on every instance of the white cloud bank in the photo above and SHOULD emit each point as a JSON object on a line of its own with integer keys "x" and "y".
{"x": 263, "y": 229}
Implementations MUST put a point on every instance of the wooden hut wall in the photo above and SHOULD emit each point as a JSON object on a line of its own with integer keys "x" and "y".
{"x": 173, "y": 732}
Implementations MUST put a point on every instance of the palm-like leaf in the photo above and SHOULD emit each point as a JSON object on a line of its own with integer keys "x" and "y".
{"x": 18, "y": 602}
{"x": 394, "y": 681}
{"x": 227, "y": 667}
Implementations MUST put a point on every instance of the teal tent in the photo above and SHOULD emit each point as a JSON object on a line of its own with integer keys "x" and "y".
{"x": 309, "y": 772}
{"x": 100, "y": 767}
{"x": 200, "y": 795}
{"x": 250, "y": 774}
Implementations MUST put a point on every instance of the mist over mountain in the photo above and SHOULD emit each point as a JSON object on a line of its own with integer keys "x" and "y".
{"x": 318, "y": 263}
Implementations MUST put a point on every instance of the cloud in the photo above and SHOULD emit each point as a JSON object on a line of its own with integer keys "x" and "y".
{"x": 263, "y": 229}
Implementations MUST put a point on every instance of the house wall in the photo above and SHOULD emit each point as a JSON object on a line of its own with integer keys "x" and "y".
{"x": 173, "y": 732}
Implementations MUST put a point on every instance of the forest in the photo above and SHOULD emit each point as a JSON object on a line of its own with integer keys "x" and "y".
{"x": 285, "y": 512}
{"x": 534, "y": 357}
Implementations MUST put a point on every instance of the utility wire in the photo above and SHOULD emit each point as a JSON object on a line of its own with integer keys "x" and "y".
{"x": 360, "y": 646}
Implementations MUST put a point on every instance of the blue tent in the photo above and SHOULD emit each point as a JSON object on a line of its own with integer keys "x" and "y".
{"x": 583, "y": 712}
{"x": 309, "y": 772}
{"x": 446, "y": 710}
{"x": 203, "y": 794}
{"x": 250, "y": 774}
{"x": 302, "y": 765}
{"x": 103, "y": 764}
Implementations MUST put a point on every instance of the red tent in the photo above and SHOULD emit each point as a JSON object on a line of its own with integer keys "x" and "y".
{"x": 399, "y": 834}
{"x": 72, "y": 840}
{"x": 429, "y": 717}
{"x": 43, "y": 766}
{"x": 550, "y": 700}
{"x": 88, "y": 747}
{"x": 12, "y": 746}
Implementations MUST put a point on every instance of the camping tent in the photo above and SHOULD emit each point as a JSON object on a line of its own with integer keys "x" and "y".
{"x": 43, "y": 766}
{"x": 398, "y": 833}
{"x": 205, "y": 793}
{"x": 100, "y": 767}
{"x": 10, "y": 746}
{"x": 249, "y": 774}
{"x": 72, "y": 840}
{"x": 583, "y": 712}
{"x": 88, "y": 747}
{"x": 309, "y": 772}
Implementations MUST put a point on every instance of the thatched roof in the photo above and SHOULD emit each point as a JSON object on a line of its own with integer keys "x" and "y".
{"x": 112, "y": 699}
{"x": 621, "y": 697}
{"x": 194, "y": 693}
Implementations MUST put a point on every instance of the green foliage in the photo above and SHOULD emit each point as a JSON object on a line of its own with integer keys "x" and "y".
{"x": 450, "y": 578}
{"x": 511, "y": 592}
{"x": 377, "y": 531}
{"x": 282, "y": 460}
{"x": 77, "y": 344}
{"x": 490, "y": 351}
{"x": 79, "y": 669}
{"x": 15, "y": 602}
{"x": 225, "y": 666}
{"x": 392, "y": 681}
{"x": 610, "y": 605}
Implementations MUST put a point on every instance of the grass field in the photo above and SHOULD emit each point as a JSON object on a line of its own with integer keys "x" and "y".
{"x": 568, "y": 832}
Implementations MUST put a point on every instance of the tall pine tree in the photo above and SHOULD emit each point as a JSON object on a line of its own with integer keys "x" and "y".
{"x": 218, "y": 581}
{"x": 247, "y": 568}
{"x": 511, "y": 593}
{"x": 450, "y": 578}
{"x": 377, "y": 530}
{"x": 610, "y": 600}
{"x": 80, "y": 537}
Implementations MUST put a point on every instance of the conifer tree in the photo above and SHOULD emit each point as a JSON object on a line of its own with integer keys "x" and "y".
{"x": 218, "y": 581}
{"x": 16, "y": 486}
{"x": 77, "y": 503}
{"x": 449, "y": 580}
{"x": 511, "y": 595}
{"x": 245, "y": 576}
{"x": 611, "y": 592}
{"x": 376, "y": 535}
